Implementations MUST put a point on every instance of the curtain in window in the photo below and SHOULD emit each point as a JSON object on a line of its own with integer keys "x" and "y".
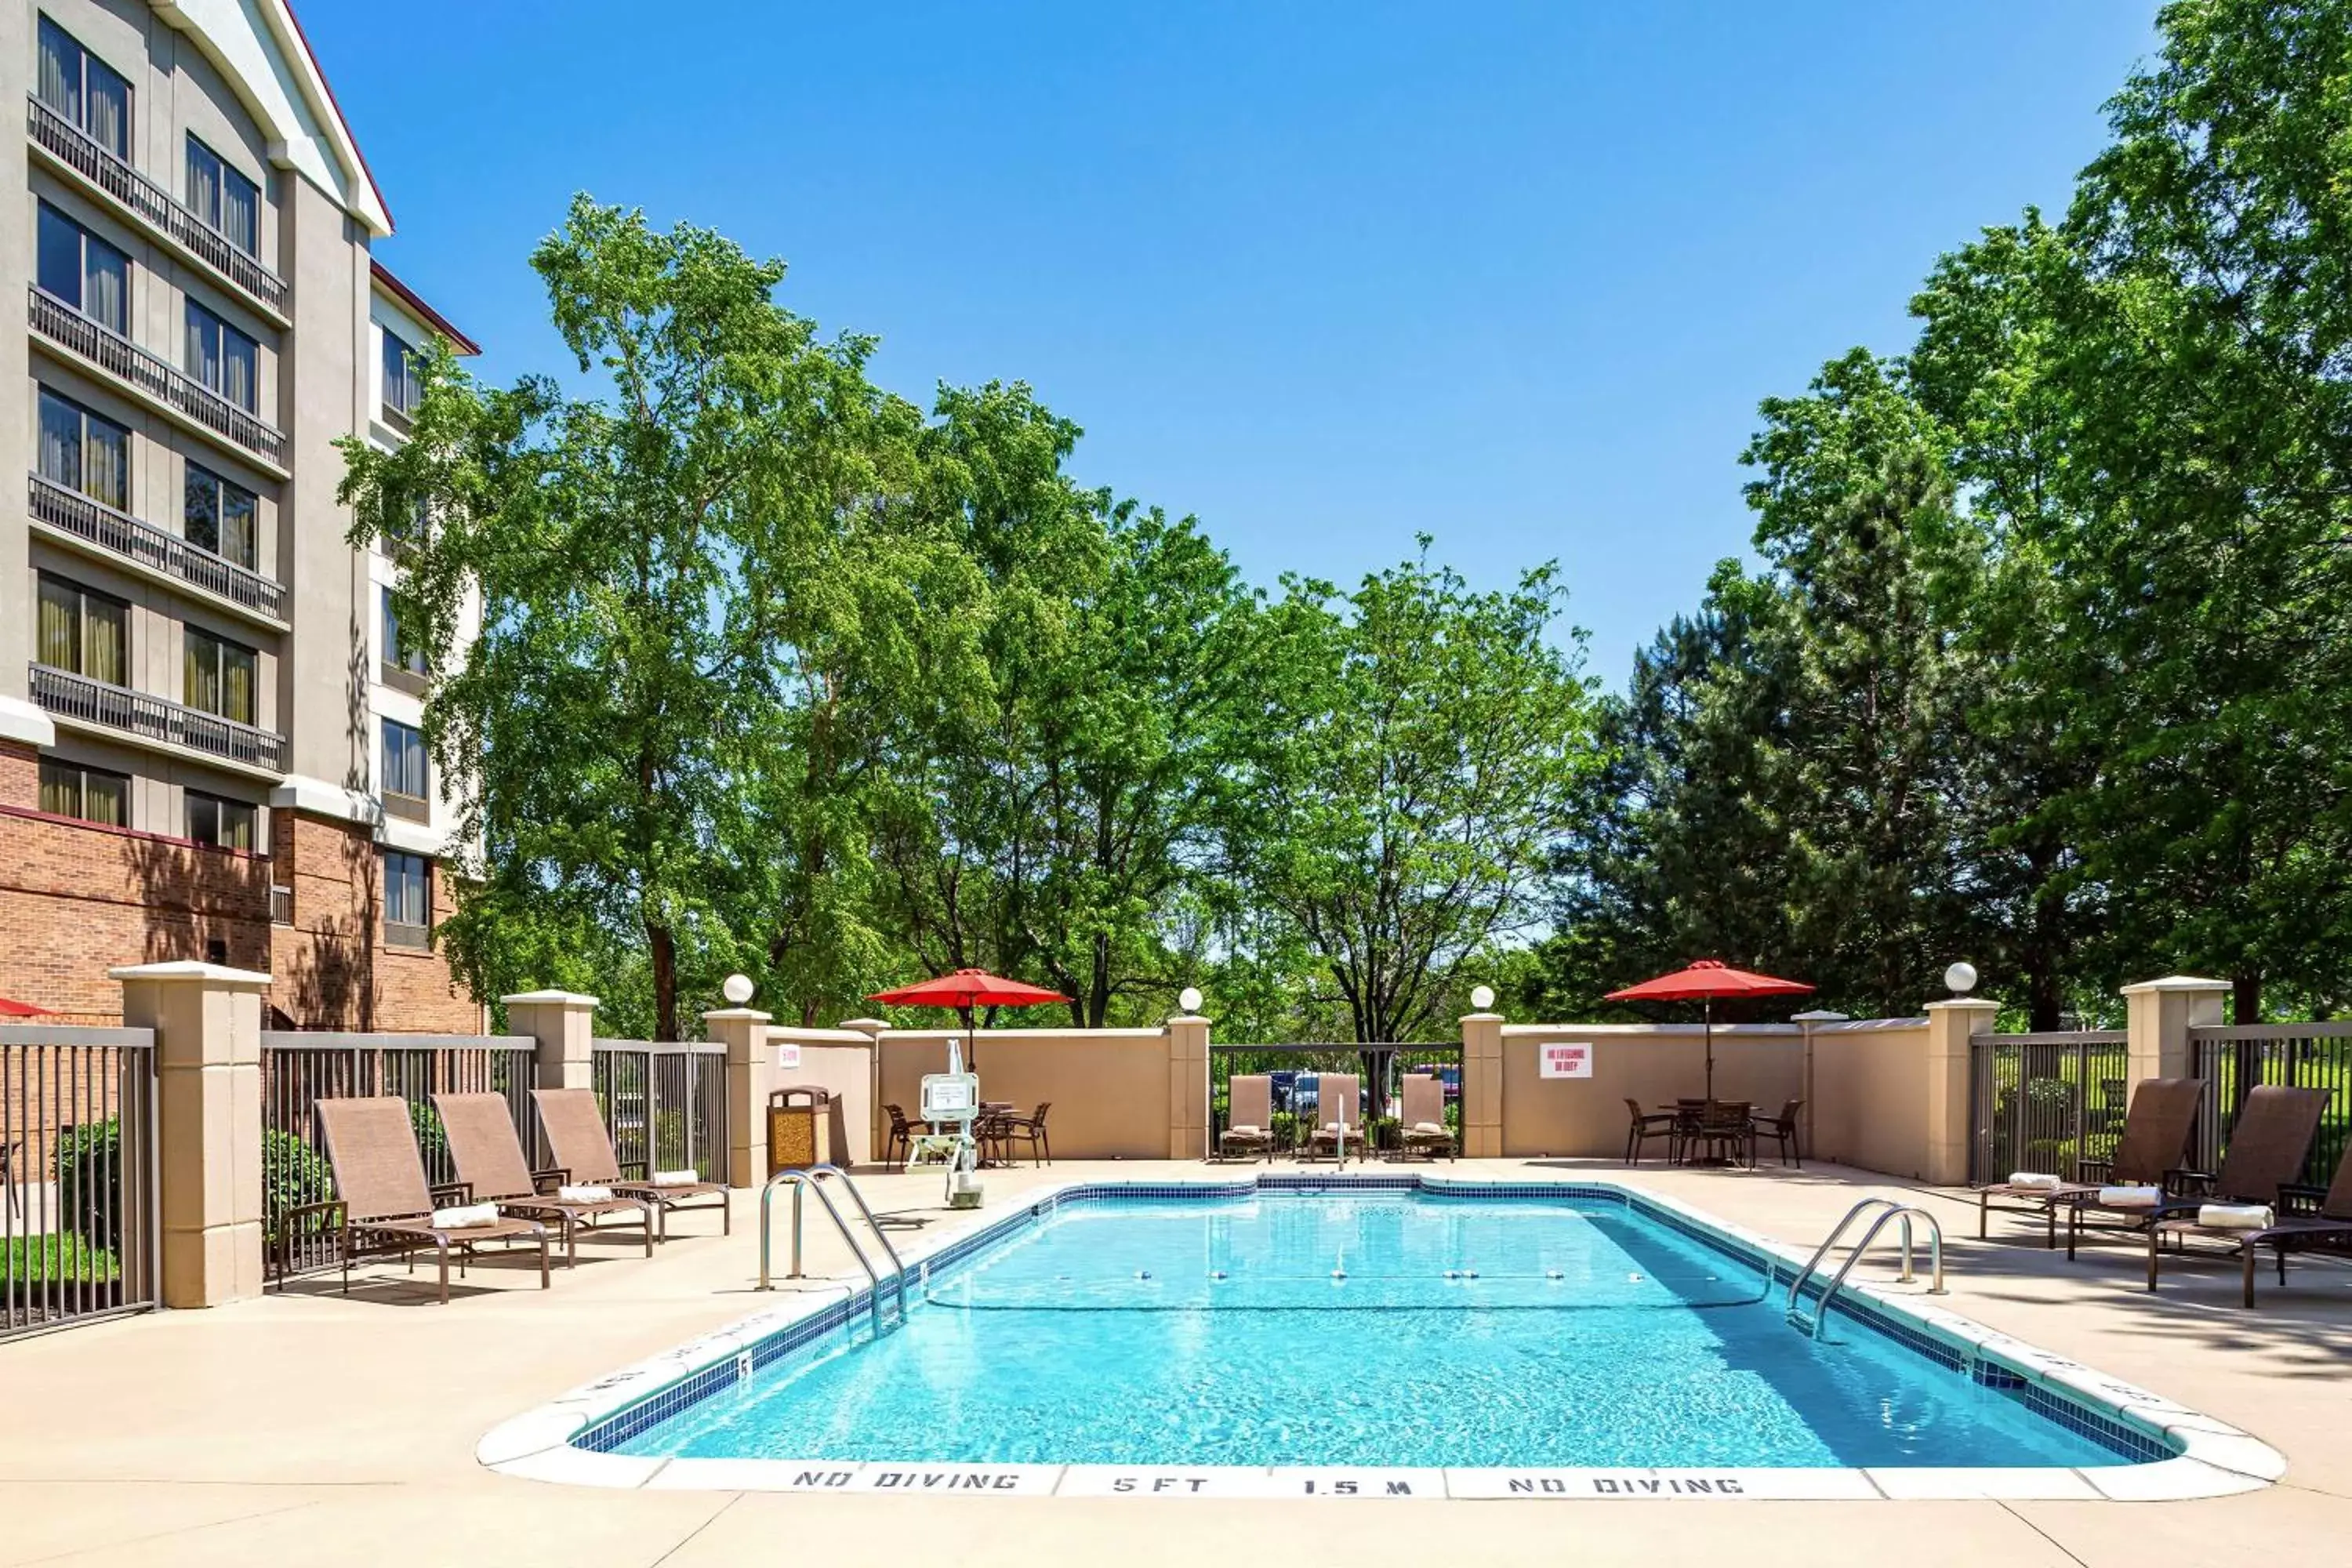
{"x": 236, "y": 684}
{"x": 106, "y": 287}
{"x": 60, "y": 455}
{"x": 200, "y": 688}
{"x": 105, "y": 640}
{"x": 60, "y": 71}
{"x": 107, "y": 450}
{"x": 240, "y": 216}
{"x": 203, "y": 346}
{"x": 108, "y": 114}
{"x": 60, "y": 790}
{"x": 239, "y": 531}
{"x": 106, "y": 797}
{"x": 240, "y": 382}
{"x": 204, "y": 183}
{"x": 60, "y": 625}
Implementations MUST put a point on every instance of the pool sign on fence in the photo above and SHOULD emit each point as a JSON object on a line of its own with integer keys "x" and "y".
{"x": 1565, "y": 1060}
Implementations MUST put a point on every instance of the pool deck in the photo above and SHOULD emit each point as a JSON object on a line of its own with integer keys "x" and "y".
{"x": 308, "y": 1427}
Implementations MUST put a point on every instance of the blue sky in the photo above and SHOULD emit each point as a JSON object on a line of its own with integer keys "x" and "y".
{"x": 1326, "y": 276}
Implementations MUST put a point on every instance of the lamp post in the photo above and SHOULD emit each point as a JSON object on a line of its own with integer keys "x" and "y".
{"x": 1807, "y": 1022}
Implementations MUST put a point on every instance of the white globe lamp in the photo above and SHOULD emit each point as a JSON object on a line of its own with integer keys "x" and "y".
{"x": 1189, "y": 999}
{"x": 1961, "y": 978}
{"x": 1482, "y": 997}
{"x": 736, "y": 989}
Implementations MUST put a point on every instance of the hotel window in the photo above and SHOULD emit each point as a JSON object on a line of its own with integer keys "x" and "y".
{"x": 84, "y": 271}
{"x": 403, "y": 664}
{"x": 222, "y": 358}
{"x": 221, "y": 676}
{"x": 224, "y": 198}
{"x": 83, "y": 632}
{"x": 401, "y": 387}
{"x": 218, "y": 516}
{"x": 222, "y": 824}
{"x": 93, "y": 795}
{"x": 85, "y": 90}
{"x": 408, "y": 899}
{"x": 85, "y": 453}
{"x": 404, "y": 788}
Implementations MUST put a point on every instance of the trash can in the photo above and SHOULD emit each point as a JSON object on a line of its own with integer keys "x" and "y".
{"x": 800, "y": 1129}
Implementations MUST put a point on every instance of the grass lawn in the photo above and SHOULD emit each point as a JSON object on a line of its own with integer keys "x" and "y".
{"x": 66, "y": 1259}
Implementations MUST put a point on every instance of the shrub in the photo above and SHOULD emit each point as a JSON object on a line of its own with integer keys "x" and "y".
{"x": 88, "y": 1168}
{"x": 292, "y": 1174}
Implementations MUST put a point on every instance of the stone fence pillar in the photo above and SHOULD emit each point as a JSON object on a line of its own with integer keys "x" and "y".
{"x": 2159, "y": 1014}
{"x": 1951, "y": 1026}
{"x": 1482, "y": 1085}
{"x": 564, "y": 1024}
{"x": 750, "y": 1074}
{"x": 1188, "y": 1086}
{"x": 207, "y": 1023}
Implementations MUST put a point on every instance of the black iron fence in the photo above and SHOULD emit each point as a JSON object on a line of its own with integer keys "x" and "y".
{"x": 2233, "y": 1059}
{"x": 2046, "y": 1101}
{"x": 1298, "y": 1070}
{"x": 80, "y": 1238}
{"x": 300, "y": 1068}
{"x": 664, "y": 1103}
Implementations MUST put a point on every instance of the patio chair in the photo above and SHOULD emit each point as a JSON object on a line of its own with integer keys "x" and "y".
{"x": 2154, "y": 1144}
{"x": 1725, "y": 1125}
{"x": 1249, "y": 1118}
{"x": 382, "y": 1203}
{"x": 1421, "y": 1127}
{"x": 1030, "y": 1130}
{"x": 583, "y": 1151}
{"x": 2328, "y": 1222}
{"x": 1336, "y": 1115}
{"x": 900, "y": 1140}
{"x": 487, "y": 1153}
{"x": 1784, "y": 1130}
{"x": 1644, "y": 1125}
{"x": 2268, "y": 1143}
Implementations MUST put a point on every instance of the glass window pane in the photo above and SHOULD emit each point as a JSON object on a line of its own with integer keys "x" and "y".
{"x": 108, "y": 450}
{"x": 106, "y": 639}
{"x": 201, "y": 684}
{"x": 241, "y": 382}
{"x": 236, "y": 820}
{"x": 204, "y": 818}
{"x": 60, "y": 645}
{"x": 240, "y": 216}
{"x": 105, "y": 797}
{"x": 238, "y": 673}
{"x": 107, "y": 115}
{"x": 106, "y": 285}
{"x": 200, "y": 508}
{"x": 60, "y": 457}
{"x": 60, "y": 256}
{"x": 204, "y": 183}
{"x": 239, "y": 533}
{"x": 60, "y": 69}
{"x": 203, "y": 346}
{"x": 60, "y": 788}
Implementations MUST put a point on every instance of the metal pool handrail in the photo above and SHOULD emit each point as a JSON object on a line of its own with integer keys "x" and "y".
{"x": 1891, "y": 1210}
{"x": 812, "y": 1180}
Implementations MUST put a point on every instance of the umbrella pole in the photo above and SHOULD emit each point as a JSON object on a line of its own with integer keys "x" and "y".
{"x": 1706, "y": 1014}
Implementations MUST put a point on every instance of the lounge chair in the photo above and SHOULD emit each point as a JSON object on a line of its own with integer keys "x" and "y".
{"x": 382, "y": 1203}
{"x": 576, "y": 1135}
{"x": 1644, "y": 1125}
{"x": 1335, "y": 1109}
{"x": 487, "y": 1153}
{"x": 1249, "y": 1118}
{"x": 2268, "y": 1143}
{"x": 1422, "y": 1123}
{"x": 2330, "y": 1220}
{"x": 2154, "y": 1144}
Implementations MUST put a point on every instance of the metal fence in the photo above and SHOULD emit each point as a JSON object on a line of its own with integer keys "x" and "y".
{"x": 80, "y": 1238}
{"x": 664, "y": 1103}
{"x": 300, "y": 1068}
{"x": 1298, "y": 1070}
{"x": 2046, "y": 1101}
{"x": 2233, "y": 1059}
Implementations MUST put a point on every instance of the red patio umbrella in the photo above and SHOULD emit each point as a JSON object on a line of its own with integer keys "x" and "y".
{"x": 1705, "y": 980}
{"x": 964, "y": 990}
{"x": 12, "y": 1009}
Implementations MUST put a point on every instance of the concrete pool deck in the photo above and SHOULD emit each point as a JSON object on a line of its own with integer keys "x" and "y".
{"x": 314, "y": 1428}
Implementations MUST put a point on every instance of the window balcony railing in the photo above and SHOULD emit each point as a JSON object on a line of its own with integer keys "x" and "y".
{"x": 72, "y": 147}
{"x": 71, "y": 696}
{"x": 155, "y": 375}
{"x": 282, "y": 906}
{"x": 401, "y": 933}
{"x": 415, "y": 808}
{"x": 72, "y": 513}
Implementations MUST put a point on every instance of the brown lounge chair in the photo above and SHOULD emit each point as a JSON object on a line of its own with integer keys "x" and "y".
{"x": 2331, "y": 1222}
{"x": 583, "y": 1151}
{"x": 2268, "y": 1143}
{"x": 487, "y": 1153}
{"x": 1334, "y": 1113}
{"x": 2154, "y": 1145}
{"x": 1249, "y": 1118}
{"x": 383, "y": 1201}
{"x": 1421, "y": 1123}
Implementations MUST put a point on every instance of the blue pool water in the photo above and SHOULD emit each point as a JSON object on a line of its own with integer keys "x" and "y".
{"x": 1322, "y": 1328}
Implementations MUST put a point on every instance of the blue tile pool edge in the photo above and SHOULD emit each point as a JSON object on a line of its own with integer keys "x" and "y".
{"x": 2168, "y": 1451}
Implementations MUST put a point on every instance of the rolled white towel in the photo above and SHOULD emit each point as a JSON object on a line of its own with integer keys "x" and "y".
{"x": 1246, "y": 1129}
{"x": 2131, "y": 1198}
{"x": 583, "y": 1194}
{"x": 1331, "y": 1127}
{"x": 466, "y": 1216}
{"x": 675, "y": 1178}
{"x": 2236, "y": 1216}
{"x": 1436, "y": 1127}
{"x": 2033, "y": 1179}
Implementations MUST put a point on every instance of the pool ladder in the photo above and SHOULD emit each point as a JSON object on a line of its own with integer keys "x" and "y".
{"x": 813, "y": 1180}
{"x": 1889, "y": 1210}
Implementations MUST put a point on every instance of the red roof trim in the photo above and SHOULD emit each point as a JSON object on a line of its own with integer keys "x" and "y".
{"x": 432, "y": 318}
{"x": 304, "y": 40}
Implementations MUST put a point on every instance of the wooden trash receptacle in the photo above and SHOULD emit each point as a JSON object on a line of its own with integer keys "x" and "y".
{"x": 800, "y": 1129}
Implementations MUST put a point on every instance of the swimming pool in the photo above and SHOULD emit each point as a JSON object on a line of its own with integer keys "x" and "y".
{"x": 1404, "y": 1335}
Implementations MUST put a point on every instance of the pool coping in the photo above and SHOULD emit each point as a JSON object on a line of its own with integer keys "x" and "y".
{"x": 2208, "y": 1458}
